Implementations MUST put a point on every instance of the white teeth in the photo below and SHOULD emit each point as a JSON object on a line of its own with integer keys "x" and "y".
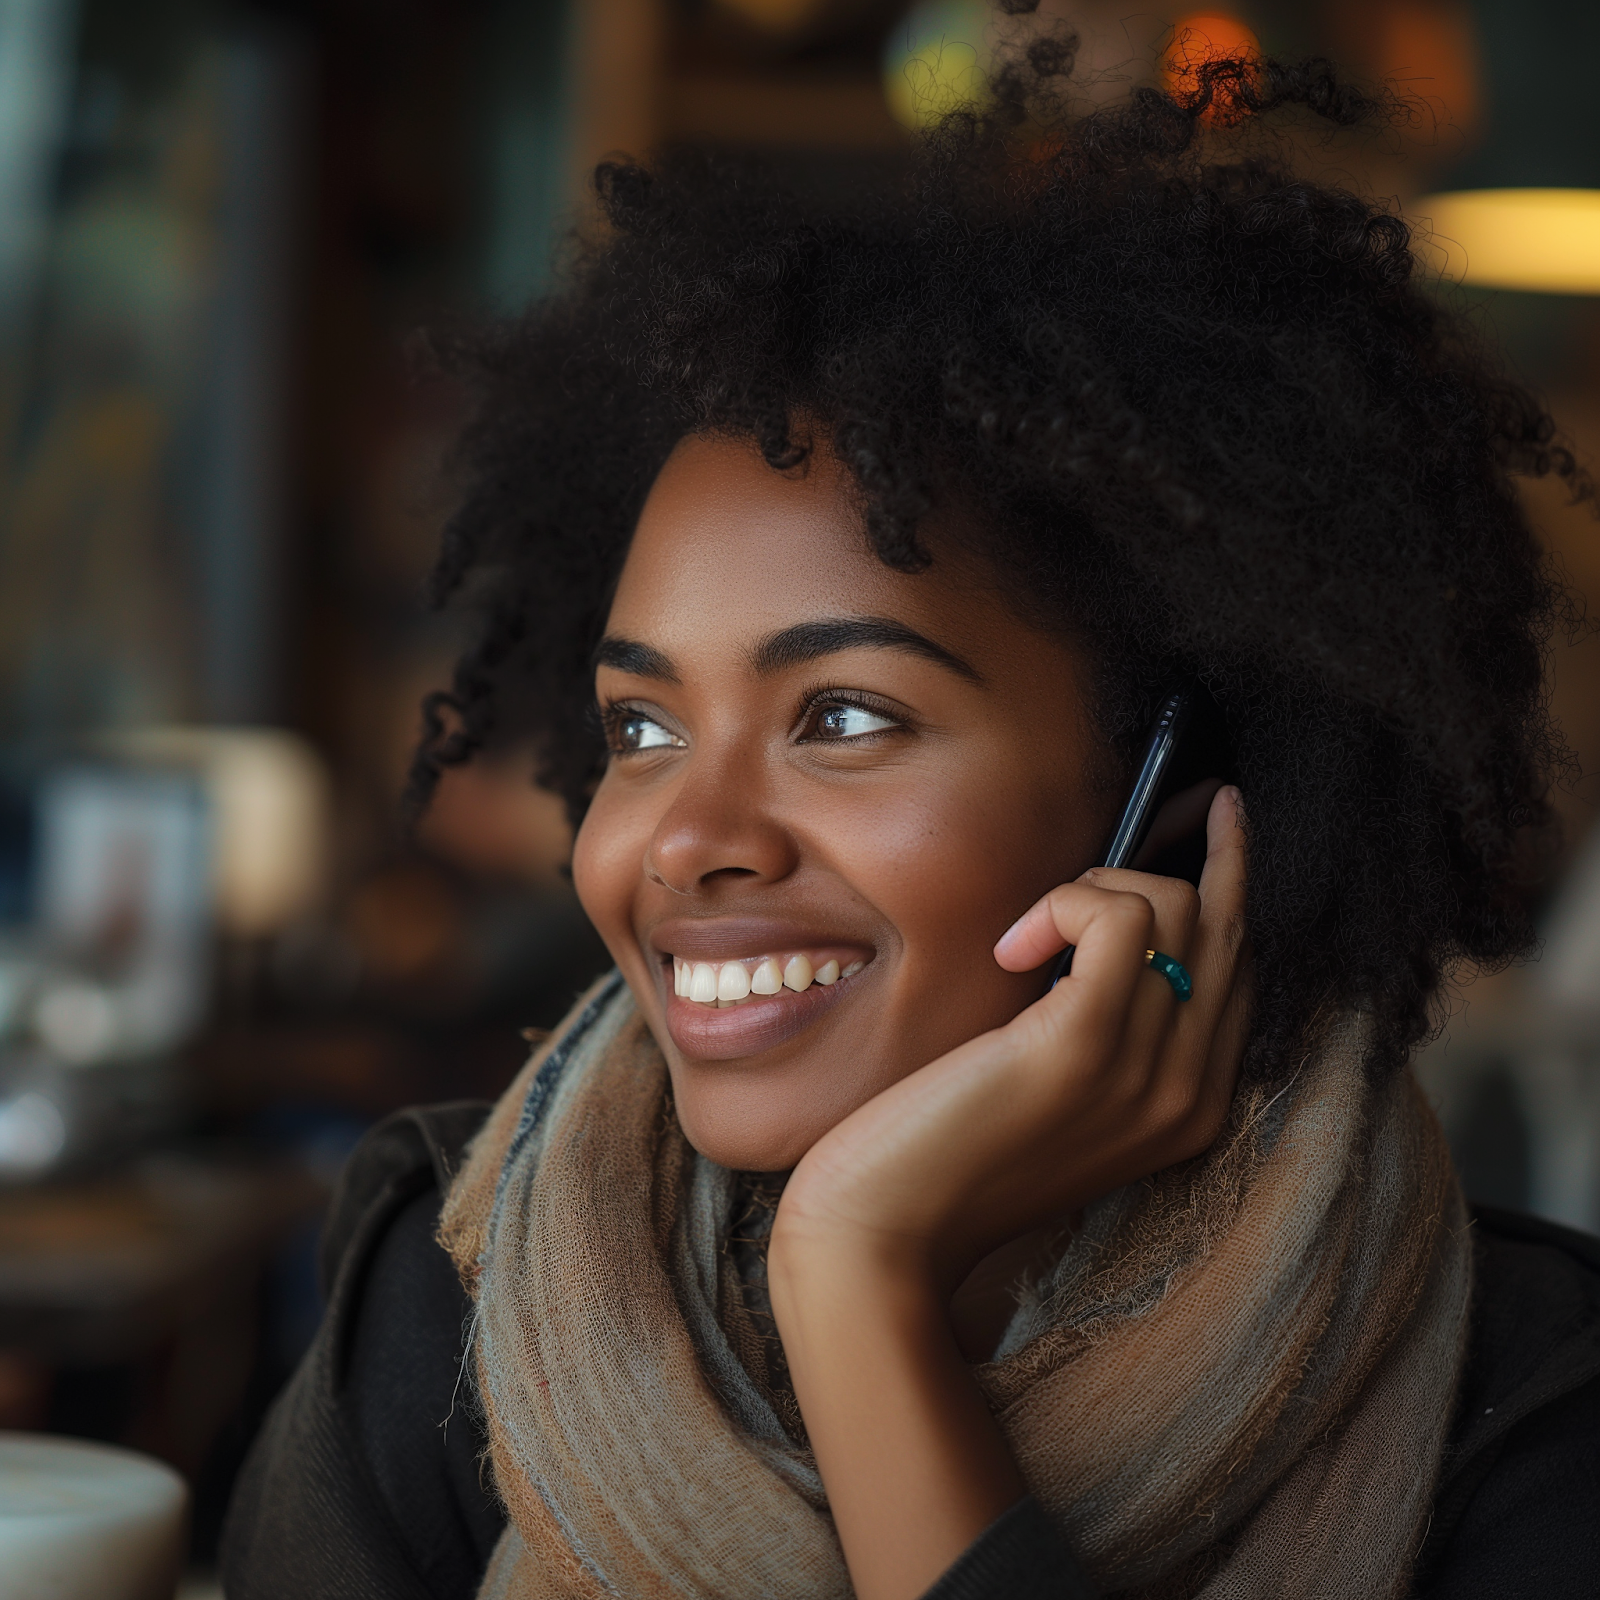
{"x": 728, "y": 982}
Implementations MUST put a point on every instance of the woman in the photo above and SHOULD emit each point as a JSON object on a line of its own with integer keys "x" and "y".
{"x": 826, "y": 1248}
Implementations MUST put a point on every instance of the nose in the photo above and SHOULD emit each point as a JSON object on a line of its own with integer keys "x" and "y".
{"x": 719, "y": 829}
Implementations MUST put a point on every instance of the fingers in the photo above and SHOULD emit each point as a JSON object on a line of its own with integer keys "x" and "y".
{"x": 1111, "y": 1005}
{"x": 1057, "y": 920}
{"x": 1219, "y": 929}
{"x": 1223, "y": 878}
{"x": 1092, "y": 918}
{"x": 1111, "y": 1057}
{"x": 1039, "y": 933}
{"x": 1114, "y": 916}
{"x": 1212, "y": 1036}
{"x": 1154, "y": 1009}
{"x": 1173, "y": 901}
{"x": 1065, "y": 915}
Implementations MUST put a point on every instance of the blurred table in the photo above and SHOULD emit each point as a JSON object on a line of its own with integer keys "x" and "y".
{"x": 102, "y": 1270}
{"x": 140, "y": 1291}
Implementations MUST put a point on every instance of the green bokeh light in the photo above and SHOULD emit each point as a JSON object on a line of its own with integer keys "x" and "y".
{"x": 937, "y": 60}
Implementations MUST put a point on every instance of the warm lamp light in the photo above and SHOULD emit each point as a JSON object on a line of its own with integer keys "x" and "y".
{"x": 777, "y": 16}
{"x": 1205, "y": 36}
{"x": 1540, "y": 239}
{"x": 936, "y": 61}
{"x": 270, "y": 803}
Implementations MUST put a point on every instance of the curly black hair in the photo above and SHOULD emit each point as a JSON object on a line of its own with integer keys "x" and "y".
{"x": 1216, "y": 423}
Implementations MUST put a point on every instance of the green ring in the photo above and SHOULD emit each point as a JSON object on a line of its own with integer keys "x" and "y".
{"x": 1174, "y": 972}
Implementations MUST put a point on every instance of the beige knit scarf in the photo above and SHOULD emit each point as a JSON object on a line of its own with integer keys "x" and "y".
{"x": 1236, "y": 1382}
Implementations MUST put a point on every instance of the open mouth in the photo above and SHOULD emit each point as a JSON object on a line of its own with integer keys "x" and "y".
{"x": 720, "y": 1010}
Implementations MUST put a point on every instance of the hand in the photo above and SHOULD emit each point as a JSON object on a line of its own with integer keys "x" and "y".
{"x": 1104, "y": 1079}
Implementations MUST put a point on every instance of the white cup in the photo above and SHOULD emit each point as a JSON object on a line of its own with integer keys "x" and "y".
{"x": 87, "y": 1521}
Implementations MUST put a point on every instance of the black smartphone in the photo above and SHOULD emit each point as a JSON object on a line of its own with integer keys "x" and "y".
{"x": 1160, "y": 752}
{"x": 1171, "y": 735}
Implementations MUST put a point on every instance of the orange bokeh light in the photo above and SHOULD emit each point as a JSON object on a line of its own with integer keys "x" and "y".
{"x": 1205, "y": 36}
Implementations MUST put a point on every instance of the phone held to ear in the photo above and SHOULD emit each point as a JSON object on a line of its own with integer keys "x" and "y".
{"x": 1149, "y": 788}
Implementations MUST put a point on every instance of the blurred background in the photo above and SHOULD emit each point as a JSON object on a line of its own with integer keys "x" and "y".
{"x": 220, "y": 226}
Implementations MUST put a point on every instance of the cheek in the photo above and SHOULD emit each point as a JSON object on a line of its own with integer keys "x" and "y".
{"x": 606, "y": 857}
{"x": 954, "y": 885}
{"x": 963, "y": 854}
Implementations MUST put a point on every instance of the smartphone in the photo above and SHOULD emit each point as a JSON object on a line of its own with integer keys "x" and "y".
{"x": 1173, "y": 722}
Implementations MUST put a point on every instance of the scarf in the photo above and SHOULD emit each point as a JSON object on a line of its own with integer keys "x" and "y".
{"x": 1235, "y": 1382}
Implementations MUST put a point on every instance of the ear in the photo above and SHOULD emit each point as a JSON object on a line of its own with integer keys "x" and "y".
{"x": 1183, "y": 814}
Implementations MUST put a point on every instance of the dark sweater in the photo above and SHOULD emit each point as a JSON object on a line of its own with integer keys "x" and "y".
{"x": 369, "y": 1482}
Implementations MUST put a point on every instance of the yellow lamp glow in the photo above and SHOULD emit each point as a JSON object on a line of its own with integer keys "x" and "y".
{"x": 937, "y": 61}
{"x": 1543, "y": 239}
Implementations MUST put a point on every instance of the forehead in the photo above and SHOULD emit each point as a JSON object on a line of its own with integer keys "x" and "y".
{"x": 728, "y": 550}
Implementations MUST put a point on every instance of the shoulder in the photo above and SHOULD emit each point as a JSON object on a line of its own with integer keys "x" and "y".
{"x": 1519, "y": 1489}
{"x": 1535, "y": 1333}
{"x": 365, "y": 1479}
{"x": 414, "y": 1150}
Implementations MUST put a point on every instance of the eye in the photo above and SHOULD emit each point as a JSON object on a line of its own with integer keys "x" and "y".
{"x": 841, "y": 720}
{"x": 633, "y": 731}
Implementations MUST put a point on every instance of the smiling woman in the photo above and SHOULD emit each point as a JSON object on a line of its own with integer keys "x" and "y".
{"x": 819, "y": 763}
{"x": 835, "y": 555}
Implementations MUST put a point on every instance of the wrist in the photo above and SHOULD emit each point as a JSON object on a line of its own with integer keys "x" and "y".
{"x": 914, "y": 1464}
{"x": 842, "y": 1276}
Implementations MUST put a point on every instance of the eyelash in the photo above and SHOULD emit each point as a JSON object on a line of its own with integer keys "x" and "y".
{"x": 822, "y": 697}
{"x": 616, "y": 712}
{"x": 814, "y": 701}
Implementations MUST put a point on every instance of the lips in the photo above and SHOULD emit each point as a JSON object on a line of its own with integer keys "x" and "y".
{"x": 739, "y": 958}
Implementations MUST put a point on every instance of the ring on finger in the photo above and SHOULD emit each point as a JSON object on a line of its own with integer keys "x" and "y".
{"x": 1174, "y": 972}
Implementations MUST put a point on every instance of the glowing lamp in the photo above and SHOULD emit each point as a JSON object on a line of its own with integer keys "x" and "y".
{"x": 269, "y": 798}
{"x": 1520, "y": 210}
{"x": 937, "y": 60}
{"x": 1205, "y": 36}
{"x": 1541, "y": 239}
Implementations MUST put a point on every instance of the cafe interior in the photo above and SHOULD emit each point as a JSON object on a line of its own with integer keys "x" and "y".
{"x": 228, "y": 233}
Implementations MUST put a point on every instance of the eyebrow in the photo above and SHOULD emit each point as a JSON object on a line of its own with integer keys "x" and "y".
{"x": 793, "y": 647}
{"x": 807, "y": 641}
{"x": 638, "y": 660}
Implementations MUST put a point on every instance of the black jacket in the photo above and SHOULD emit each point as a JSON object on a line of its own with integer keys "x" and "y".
{"x": 368, "y": 1481}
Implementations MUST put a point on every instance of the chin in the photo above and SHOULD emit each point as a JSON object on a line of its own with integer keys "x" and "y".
{"x": 752, "y": 1126}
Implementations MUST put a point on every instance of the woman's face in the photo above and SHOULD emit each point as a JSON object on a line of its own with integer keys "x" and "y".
{"x": 822, "y": 770}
